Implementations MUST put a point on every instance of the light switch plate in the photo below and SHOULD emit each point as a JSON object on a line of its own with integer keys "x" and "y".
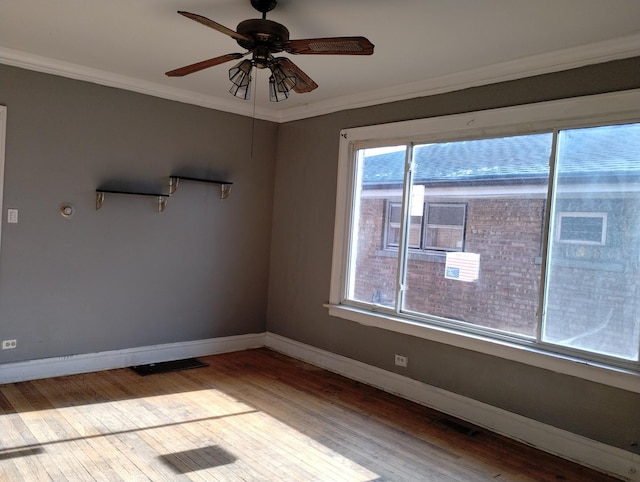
{"x": 12, "y": 216}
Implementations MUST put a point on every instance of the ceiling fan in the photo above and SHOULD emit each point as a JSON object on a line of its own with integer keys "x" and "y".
{"x": 262, "y": 38}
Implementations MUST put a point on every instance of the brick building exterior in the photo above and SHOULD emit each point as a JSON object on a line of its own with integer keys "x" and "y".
{"x": 506, "y": 295}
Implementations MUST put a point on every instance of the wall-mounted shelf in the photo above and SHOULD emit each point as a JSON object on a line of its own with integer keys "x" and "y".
{"x": 225, "y": 186}
{"x": 162, "y": 198}
{"x": 225, "y": 189}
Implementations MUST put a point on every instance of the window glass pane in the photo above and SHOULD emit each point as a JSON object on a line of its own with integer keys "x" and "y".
{"x": 393, "y": 224}
{"x": 446, "y": 214}
{"x": 376, "y": 222}
{"x": 593, "y": 287}
{"x": 491, "y": 194}
{"x": 415, "y": 231}
{"x": 443, "y": 238}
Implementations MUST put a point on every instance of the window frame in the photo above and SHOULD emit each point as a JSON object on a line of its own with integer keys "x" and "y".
{"x": 575, "y": 112}
{"x": 3, "y": 138}
{"x": 582, "y": 214}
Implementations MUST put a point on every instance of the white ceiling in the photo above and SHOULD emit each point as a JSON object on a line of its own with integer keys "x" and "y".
{"x": 421, "y": 46}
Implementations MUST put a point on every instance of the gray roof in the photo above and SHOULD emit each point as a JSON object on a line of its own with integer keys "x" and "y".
{"x": 598, "y": 151}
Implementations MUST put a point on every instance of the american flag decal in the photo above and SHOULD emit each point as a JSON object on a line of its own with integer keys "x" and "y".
{"x": 462, "y": 266}
{"x": 451, "y": 272}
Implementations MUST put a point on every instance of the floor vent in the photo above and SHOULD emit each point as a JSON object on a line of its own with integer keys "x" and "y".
{"x": 170, "y": 366}
{"x": 458, "y": 426}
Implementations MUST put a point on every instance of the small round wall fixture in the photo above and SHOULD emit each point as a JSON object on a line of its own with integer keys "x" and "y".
{"x": 66, "y": 210}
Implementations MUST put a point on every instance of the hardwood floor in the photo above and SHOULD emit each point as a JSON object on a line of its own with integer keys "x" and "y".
{"x": 251, "y": 415}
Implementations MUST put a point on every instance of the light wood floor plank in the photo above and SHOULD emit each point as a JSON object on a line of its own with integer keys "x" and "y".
{"x": 105, "y": 463}
{"x": 354, "y": 433}
{"x": 249, "y": 416}
{"x": 321, "y": 456}
{"x": 45, "y": 464}
{"x": 254, "y": 426}
{"x": 287, "y": 405}
{"x": 95, "y": 467}
{"x": 132, "y": 439}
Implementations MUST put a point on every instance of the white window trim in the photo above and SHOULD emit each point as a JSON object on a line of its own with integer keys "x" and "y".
{"x": 575, "y": 112}
{"x": 3, "y": 141}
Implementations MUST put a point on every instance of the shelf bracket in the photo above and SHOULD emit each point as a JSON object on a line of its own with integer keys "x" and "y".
{"x": 173, "y": 184}
{"x": 99, "y": 199}
{"x": 162, "y": 203}
{"x": 225, "y": 190}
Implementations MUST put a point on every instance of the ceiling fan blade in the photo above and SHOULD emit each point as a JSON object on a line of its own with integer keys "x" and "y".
{"x": 215, "y": 25}
{"x": 205, "y": 64}
{"x": 330, "y": 46}
{"x": 304, "y": 83}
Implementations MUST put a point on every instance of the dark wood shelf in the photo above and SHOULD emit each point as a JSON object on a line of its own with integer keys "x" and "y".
{"x": 225, "y": 189}
{"x": 162, "y": 197}
{"x": 225, "y": 186}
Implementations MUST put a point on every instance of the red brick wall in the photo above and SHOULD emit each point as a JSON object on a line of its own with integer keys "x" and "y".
{"x": 507, "y": 233}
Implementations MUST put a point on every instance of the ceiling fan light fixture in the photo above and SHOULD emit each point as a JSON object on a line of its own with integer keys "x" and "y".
{"x": 281, "y": 81}
{"x": 285, "y": 79}
{"x": 275, "y": 93}
{"x": 240, "y": 77}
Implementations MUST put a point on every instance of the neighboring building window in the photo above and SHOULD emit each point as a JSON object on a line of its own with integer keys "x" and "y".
{"x": 441, "y": 228}
{"x": 394, "y": 212}
{"x": 582, "y": 228}
{"x": 487, "y": 204}
{"x": 444, "y": 229}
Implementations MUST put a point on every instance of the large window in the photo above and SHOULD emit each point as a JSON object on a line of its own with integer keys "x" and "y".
{"x": 529, "y": 237}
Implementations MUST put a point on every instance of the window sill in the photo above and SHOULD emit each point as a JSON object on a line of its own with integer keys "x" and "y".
{"x": 592, "y": 265}
{"x": 587, "y": 370}
{"x": 415, "y": 255}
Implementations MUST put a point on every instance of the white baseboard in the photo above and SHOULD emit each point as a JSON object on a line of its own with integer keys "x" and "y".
{"x": 587, "y": 452}
{"x": 108, "y": 360}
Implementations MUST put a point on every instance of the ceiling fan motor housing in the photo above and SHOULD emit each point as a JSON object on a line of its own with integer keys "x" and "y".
{"x": 267, "y": 36}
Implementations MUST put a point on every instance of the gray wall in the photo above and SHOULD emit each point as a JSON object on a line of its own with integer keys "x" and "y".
{"x": 126, "y": 275}
{"x": 304, "y": 208}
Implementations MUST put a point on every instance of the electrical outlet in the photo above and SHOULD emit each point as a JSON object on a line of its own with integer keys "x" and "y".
{"x": 401, "y": 360}
{"x": 9, "y": 344}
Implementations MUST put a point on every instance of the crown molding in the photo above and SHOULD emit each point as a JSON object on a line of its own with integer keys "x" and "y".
{"x": 25, "y": 60}
{"x": 620, "y": 48}
{"x": 608, "y": 50}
